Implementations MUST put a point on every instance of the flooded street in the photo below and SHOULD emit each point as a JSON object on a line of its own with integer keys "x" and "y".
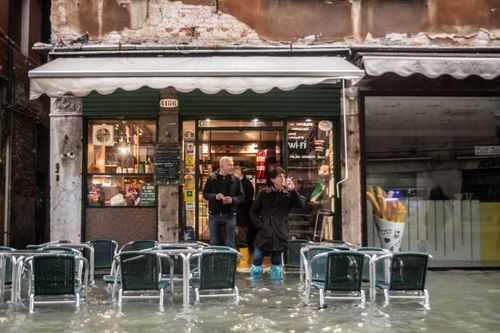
{"x": 461, "y": 301}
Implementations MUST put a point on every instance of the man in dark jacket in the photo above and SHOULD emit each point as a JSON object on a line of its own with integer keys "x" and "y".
{"x": 224, "y": 193}
{"x": 269, "y": 214}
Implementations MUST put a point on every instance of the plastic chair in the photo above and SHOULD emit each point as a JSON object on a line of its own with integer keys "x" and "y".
{"x": 406, "y": 276}
{"x": 140, "y": 271}
{"x": 343, "y": 275}
{"x": 9, "y": 262}
{"x": 138, "y": 245}
{"x": 318, "y": 274}
{"x": 216, "y": 272}
{"x": 104, "y": 252}
{"x": 291, "y": 257}
{"x": 56, "y": 275}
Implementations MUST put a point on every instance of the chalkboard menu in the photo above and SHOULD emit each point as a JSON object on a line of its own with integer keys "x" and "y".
{"x": 167, "y": 163}
{"x": 148, "y": 194}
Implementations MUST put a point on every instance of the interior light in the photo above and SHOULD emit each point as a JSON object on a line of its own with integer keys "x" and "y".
{"x": 256, "y": 120}
{"x": 308, "y": 120}
{"x": 208, "y": 119}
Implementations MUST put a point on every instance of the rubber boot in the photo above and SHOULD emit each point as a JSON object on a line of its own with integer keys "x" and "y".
{"x": 245, "y": 258}
{"x": 275, "y": 272}
{"x": 256, "y": 271}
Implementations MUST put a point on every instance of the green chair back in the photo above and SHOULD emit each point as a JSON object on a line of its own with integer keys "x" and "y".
{"x": 344, "y": 270}
{"x": 318, "y": 268}
{"x": 104, "y": 251}
{"x": 218, "y": 269}
{"x": 408, "y": 271}
{"x": 143, "y": 245}
{"x": 292, "y": 255}
{"x": 54, "y": 274}
{"x": 139, "y": 270}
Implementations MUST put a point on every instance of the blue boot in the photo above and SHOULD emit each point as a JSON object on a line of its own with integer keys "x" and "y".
{"x": 256, "y": 271}
{"x": 275, "y": 272}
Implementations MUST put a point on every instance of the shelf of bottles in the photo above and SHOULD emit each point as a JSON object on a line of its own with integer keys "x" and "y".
{"x": 120, "y": 169}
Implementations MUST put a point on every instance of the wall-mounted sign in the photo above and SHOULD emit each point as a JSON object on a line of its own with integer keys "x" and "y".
{"x": 169, "y": 103}
{"x": 486, "y": 150}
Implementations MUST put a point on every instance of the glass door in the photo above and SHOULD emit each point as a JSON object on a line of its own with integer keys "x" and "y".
{"x": 255, "y": 152}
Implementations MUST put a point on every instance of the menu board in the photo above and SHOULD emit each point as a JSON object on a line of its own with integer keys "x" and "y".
{"x": 148, "y": 194}
{"x": 167, "y": 163}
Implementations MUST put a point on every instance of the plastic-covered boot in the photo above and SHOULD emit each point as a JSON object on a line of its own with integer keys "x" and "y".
{"x": 256, "y": 271}
{"x": 275, "y": 272}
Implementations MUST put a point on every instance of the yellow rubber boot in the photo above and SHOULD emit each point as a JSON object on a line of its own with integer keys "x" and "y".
{"x": 245, "y": 258}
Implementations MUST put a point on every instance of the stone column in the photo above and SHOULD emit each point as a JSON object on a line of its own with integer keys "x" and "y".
{"x": 66, "y": 151}
{"x": 168, "y": 195}
{"x": 351, "y": 188}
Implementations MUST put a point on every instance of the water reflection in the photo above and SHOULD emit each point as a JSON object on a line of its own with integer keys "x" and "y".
{"x": 462, "y": 301}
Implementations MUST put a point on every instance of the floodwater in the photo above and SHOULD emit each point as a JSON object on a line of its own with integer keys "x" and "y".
{"x": 461, "y": 301}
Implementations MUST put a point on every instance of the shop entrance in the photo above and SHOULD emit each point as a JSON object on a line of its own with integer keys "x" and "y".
{"x": 303, "y": 147}
{"x": 256, "y": 152}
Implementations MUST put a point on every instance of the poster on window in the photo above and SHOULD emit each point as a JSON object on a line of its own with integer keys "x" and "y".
{"x": 133, "y": 194}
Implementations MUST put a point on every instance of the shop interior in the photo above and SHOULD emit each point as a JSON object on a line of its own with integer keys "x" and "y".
{"x": 257, "y": 147}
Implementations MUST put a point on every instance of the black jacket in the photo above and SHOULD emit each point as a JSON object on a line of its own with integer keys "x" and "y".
{"x": 269, "y": 214}
{"x": 235, "y": 192}
{"x": 243, "y": 217}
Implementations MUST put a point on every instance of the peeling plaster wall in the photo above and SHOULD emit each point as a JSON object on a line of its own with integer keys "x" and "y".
{"x": 269, "y": 22}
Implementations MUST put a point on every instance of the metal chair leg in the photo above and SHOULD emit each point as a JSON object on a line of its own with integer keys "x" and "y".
{"x": 321, "y": 298}
{"x": 237, "y": 295}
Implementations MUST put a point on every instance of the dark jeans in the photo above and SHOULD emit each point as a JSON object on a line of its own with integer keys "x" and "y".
{"x": 216, "y": 223}
{"x": 258, "y": 257}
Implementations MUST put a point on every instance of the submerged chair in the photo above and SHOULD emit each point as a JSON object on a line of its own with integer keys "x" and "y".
{"x": 140, "y": 272}
{"x": 104, "y": 252}
{"x": 56, "y": 275}
{"x": 6, "y": 270}
{"x": 215, "y": 275}
{"x": 291, "y": 257}
{"x": 406, "y": 276}
{"x": 138, "y": 245}
{"x": 318, "y": 274}
{"x": 343, "y": 275}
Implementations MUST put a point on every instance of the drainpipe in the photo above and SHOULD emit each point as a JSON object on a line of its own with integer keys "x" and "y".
{"x": 8, "y": 126}
{"x": 345, "y": 142}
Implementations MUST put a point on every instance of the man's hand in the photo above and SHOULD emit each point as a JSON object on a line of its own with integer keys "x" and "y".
{"x": 227, "y": 200}
{"x": 219, "y": 196}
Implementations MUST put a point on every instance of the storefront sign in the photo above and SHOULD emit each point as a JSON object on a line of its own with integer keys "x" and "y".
{"x": 167, "y": 163}
{"x": 486, "y": 150}
{"x": 169, "y": 103}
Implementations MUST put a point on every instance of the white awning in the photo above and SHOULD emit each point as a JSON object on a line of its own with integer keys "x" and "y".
{"x": 460, "y": 67}
{"x": 235, "y": 74}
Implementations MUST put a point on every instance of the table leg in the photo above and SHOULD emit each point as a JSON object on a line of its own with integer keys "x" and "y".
{"x": 373, "y": 276}
{"x": 185, "y": 280}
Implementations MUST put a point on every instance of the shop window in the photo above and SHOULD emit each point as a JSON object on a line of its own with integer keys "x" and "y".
{"x": 310, "y": 164}
{"x": 120, "y": 165}
{"x": 439, "y": 158}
